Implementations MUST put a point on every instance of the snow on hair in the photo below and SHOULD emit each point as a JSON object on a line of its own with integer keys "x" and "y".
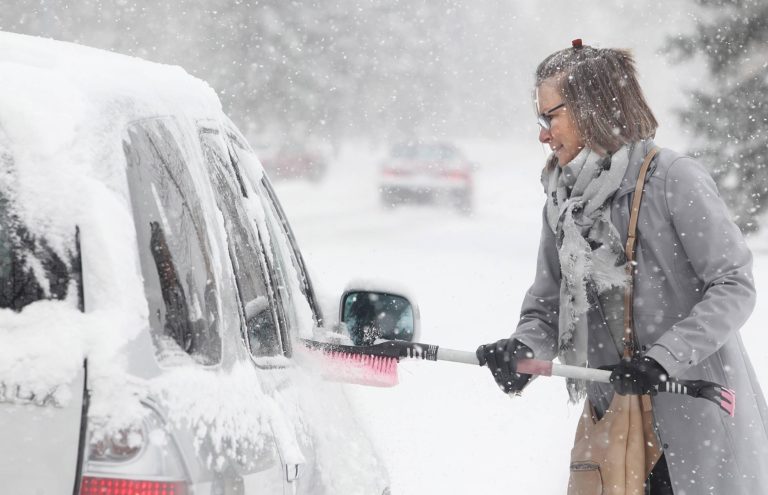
{"x": 600, "y": 87}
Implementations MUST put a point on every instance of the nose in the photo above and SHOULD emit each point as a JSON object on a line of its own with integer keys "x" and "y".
{"x": 544, "y": 135}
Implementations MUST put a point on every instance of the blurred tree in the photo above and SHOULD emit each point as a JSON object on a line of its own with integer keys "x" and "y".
{"x": 284, "y": 69}
{"x": 729, "y": 117}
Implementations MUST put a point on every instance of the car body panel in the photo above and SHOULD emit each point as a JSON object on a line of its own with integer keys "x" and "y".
{"x": 41, "y": 421}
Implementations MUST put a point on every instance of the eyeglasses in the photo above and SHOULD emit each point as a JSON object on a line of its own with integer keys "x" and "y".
{"x": 545, "y": 118}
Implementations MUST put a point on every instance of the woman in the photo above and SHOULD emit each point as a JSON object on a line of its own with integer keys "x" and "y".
{"x": 693, "y": 285}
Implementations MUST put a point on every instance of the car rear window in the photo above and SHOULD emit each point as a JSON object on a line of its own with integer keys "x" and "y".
{"x": 174, "y": 251}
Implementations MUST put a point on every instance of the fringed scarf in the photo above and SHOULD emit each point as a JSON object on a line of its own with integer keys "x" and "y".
{"x": 592, "y": 258}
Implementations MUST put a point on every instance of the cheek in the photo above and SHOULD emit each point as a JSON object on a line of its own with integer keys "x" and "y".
{"x": 571, "y": 137}
{"x": 562, "y": 131}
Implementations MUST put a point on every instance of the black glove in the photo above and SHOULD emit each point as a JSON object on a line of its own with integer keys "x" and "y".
{"x": 637, "y": 376}
{"x": 501, "y": 358}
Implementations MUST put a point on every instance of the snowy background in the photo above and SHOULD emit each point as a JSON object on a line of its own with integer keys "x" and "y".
{"x": 446, "y": 428}
{"x": 353, "y": 75}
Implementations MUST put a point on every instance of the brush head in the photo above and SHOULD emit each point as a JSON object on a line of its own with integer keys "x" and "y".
{"x": 728, "y": 401}
{"x": 346, "y": 364}
{"x": 376, "y": 371}
{"x": 725, "y": 398}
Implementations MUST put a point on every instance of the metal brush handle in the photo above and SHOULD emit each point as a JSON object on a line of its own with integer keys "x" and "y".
{"x": 531, "y": 366}
{"x": 465, "y": 357}
{"x": 719, "y": 395}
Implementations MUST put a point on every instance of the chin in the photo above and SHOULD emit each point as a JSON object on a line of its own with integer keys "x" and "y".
{"x": 563, "y": 159}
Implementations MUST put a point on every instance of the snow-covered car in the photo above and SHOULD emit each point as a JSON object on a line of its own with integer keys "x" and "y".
{"x": 426, "y": 172}
{"x": 152, "y": 295}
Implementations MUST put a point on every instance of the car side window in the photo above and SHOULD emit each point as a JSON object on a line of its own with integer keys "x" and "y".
{"x": 282, "y": 269}
{"x": 289, "y": 277}
{"x": 174, "y": 250}
{"x": 262, "y": 331}
{"x": 292, "y": 250}
{"x": 30, "y": 270}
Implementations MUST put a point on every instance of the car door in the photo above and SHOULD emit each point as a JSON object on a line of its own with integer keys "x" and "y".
{"x": 42, "y": 416}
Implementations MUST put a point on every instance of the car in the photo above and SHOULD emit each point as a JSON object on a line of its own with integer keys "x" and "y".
{"x": 153, "y": 299}
{"x": 295, "y": 161}
{"x": 433, "y": 172}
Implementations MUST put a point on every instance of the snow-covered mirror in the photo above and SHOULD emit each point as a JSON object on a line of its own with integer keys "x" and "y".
{"x": 370, "y": 316}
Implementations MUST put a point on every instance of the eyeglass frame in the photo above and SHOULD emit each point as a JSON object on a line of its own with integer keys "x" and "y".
{"x": 545, "y": 118}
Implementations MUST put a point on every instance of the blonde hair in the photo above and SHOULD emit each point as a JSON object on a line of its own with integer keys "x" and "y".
{"x": 600, "y": 89}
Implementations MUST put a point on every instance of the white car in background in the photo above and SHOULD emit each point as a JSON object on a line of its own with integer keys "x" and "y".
{"x": 433, "y": 172}
{"x": 152, "y": 295}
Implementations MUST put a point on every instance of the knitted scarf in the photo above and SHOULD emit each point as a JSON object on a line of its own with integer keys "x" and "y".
{"x": 592, "y": 258}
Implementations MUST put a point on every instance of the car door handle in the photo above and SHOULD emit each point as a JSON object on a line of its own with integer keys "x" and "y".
{"x": 292, "y": 472}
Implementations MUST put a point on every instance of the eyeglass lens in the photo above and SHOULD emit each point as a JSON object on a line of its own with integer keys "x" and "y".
{"x": 545, "y": 118}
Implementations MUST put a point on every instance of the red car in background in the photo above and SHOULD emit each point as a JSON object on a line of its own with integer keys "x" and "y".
{"x": 427, "y": 172}
{"x": 295, "y": 162}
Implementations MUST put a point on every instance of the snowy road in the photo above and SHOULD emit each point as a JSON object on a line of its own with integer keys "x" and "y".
{"x": 446, "y": 428}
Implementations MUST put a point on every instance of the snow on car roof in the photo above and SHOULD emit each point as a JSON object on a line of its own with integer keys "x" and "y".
{"x": 68, "y": 70}
{"x": 65, "y": 107}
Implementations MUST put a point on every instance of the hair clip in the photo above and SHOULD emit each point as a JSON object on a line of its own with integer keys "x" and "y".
{"x": 576, "y": 43}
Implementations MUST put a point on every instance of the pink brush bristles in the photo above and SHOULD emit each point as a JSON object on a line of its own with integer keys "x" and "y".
{"x": 361, "y": 369}
{"x": 728, "y": 402}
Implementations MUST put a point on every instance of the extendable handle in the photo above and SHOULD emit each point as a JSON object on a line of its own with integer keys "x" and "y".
{"x": 721, "y": 396}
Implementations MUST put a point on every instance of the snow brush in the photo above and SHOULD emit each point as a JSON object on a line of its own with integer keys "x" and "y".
{"x": 377, "y": 365}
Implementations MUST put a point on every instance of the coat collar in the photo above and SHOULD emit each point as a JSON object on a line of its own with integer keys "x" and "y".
{"x": 633, "y": 168}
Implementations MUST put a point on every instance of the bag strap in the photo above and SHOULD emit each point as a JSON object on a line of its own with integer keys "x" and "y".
{"x": 629, "y": 336}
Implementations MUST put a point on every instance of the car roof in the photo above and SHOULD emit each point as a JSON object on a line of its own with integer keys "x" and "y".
{"x": 71, "y": 70}
{"x": 64, "y": 109}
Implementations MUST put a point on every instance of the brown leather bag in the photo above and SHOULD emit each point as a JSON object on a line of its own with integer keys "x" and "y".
{"x": 615, "y": 455}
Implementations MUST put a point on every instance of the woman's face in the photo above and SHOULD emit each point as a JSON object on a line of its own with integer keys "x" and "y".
{"x": 562, "y": 136}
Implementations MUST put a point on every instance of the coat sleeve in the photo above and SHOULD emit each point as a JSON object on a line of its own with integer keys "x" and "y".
{"x": 538, "y": 326}
{"x": 714, "y": 246}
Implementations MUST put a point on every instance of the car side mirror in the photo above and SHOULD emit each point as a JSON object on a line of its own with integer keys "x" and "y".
{"x": 371, "y": 315}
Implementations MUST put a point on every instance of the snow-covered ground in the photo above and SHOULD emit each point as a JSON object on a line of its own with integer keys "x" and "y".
{"x": 446, "y": 428}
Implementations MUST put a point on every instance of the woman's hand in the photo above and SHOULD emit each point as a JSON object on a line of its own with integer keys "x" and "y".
{"x": 637, "y": 376}
{"x": 501, "y": 358}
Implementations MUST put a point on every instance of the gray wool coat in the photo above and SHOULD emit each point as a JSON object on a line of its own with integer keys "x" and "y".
{"x": 693, "y": 291}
